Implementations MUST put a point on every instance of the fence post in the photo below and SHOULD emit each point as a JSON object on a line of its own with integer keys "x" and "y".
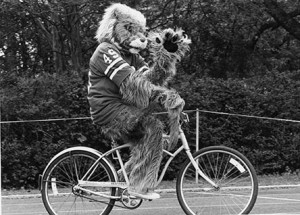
{"x": 197, "y": 139}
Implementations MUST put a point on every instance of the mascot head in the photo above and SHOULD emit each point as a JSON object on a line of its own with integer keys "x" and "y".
{"x": 123, "y": 26}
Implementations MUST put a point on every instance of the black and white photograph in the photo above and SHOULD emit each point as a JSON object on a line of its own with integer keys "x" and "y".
{"x": 161, "y": 107}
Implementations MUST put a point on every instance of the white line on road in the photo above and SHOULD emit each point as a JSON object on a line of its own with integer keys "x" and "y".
{"x": 282, "y": 199}
{"x": 152, "y": 208}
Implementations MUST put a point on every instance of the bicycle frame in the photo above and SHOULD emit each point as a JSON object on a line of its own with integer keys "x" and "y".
{"x": 84, "y": 182}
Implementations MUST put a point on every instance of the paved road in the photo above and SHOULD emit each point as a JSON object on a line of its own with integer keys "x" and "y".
{"x": 270, "y": 201}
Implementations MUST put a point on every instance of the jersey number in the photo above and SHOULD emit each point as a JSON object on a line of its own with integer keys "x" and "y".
{"x": 113, "y": 54}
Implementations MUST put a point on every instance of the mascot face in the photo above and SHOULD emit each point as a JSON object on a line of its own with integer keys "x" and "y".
{"x": 124, "y": 26}
{"x": 130, "y": 36}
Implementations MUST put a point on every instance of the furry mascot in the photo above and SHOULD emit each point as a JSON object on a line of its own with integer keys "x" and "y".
{"x": 123, "y": 90}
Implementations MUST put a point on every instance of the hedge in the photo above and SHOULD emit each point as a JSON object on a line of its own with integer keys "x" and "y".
{"x": 273, "y": 147}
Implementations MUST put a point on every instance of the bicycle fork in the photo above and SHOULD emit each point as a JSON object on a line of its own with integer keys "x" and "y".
{"x": 190, "y": 156}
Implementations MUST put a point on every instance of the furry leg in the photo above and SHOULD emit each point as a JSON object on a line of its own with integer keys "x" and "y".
{"x": 126, "y": 128}
{"x": 144, "y": 131}
{"x": 146, "y": 156}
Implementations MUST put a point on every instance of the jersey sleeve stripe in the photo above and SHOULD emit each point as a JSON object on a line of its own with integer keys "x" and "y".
{"x": 116, "y": 66}
{"x": 143, "y": 69}
{"x": 118, "y": 69}
{"x": 112, "y": 64}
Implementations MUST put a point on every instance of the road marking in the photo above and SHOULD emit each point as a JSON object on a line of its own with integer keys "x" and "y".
{"x": 159, "y": 208}
{"x": 274, "y": 198}
{"x": 154, "y": 208}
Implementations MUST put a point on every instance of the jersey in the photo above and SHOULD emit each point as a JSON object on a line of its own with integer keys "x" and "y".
{"x": 108, "y": 69}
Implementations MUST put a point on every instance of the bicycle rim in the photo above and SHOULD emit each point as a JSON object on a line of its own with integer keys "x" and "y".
{"x": 59, "y": 192}
{"x": 230, "y": 170}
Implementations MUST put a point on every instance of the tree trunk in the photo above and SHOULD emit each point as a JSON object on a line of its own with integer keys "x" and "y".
{"x": 56, "y": 46}
{"x": 11, "y": 61}
{"x": 283, "y": 18}
{"x": 74, "y": 36}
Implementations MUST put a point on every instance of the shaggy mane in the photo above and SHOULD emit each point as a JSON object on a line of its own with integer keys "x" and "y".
{"x": 117, "y": 13}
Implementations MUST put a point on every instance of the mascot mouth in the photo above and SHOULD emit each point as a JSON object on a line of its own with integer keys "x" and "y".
{"x": 134, "y": 46}
{"x": 137, "y": 48}
{"x": 134, "y": 50}
{"x": 130, "y": 48}
{"x": 138, "y": 44}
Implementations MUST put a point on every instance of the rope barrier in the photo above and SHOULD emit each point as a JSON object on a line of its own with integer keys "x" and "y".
{"x": 248, "y": 116}
{"x": 45, "y": 120}
{"x": 186, "y": 111}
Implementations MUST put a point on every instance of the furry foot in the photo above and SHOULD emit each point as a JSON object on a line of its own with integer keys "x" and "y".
{"x": 147, "y": 195}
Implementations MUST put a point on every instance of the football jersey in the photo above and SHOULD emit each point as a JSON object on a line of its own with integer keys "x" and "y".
{"x": 108, "y": 69}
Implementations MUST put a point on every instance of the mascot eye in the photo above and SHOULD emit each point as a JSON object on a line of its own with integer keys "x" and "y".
{"x": 157, "y": 40}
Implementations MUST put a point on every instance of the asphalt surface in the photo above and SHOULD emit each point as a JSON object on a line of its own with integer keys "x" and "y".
{"x": 281, "y": 201}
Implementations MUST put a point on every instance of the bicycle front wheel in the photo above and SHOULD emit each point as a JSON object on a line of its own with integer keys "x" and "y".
{"x": 230, "y": 170}
{"x": 60, "y": 179}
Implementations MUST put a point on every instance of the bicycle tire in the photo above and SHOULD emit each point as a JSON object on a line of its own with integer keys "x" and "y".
{"x": 228, "y": 168}
{"x": 60, "y": 177}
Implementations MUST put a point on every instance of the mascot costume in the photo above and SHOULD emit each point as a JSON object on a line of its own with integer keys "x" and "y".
{"x": 124, "y": 91}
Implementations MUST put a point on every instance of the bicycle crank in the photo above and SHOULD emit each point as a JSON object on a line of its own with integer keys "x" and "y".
{"x": 128, "y": 201}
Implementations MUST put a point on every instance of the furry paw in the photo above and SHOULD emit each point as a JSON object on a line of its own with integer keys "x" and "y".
{"x": 173, "y": 43}
{"x": 171, "y": 100}
{"x": 173, "y": 39}
{"x": 165, "y": 49}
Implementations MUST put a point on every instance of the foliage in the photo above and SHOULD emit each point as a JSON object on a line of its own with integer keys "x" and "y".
{"x": 244, "y": 59}
{"x": 272, "y": 146}
{"x": 27, "y": 147}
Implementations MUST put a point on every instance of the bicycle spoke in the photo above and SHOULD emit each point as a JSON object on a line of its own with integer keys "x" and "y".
{"x": 236, "y": 191}
{"x": 67, "y": 198}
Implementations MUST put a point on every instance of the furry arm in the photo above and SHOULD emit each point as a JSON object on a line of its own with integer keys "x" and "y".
{"x": 166, "y": 48}
{"x": 138, "y": 91}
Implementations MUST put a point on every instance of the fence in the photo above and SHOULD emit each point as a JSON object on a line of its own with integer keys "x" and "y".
{"x": 197, "y": 127}
{"x": 198, "y": 111}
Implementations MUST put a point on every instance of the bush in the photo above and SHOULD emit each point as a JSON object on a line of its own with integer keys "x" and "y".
{"x": 272, "y": 146}
{"x": 28, "y": 147}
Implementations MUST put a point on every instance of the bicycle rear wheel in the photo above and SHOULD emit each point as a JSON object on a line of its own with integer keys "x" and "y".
{"x": 230, "y": 170}
{"x": 58, "y": 185}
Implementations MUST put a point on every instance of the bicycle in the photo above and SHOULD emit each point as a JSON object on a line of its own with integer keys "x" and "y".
{"x": 213, "y": 180}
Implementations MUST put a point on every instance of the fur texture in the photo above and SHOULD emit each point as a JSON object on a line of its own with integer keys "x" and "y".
{"x": 125, "y": 27}
{"x": 166, "y": 48}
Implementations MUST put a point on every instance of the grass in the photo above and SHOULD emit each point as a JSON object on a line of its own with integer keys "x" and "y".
{"x": 264, "y": 180}
{"x": 285, "y": 179}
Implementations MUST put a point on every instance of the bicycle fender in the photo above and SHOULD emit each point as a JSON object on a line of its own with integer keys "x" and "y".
{"x": 82, "y": 148}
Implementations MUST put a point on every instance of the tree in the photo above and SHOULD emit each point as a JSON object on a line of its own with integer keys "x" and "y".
{"x": 244, "y": 58}
{"x": 55, "y": 30}
{"x": 284, "y": 19}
